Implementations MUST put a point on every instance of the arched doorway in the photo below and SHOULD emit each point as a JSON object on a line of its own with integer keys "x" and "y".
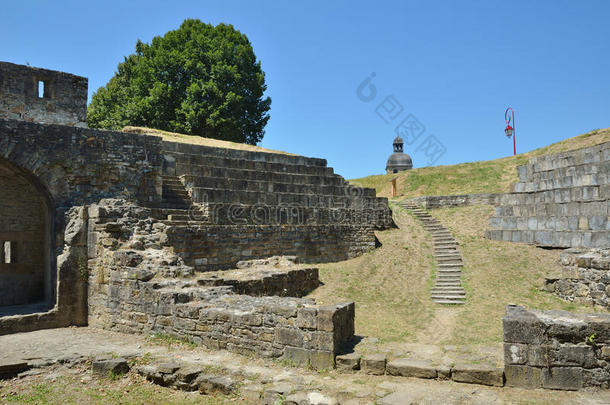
{"x": 25, "y": 239}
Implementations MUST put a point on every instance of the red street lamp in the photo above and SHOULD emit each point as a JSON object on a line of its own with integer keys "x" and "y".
{"x": 509, "y": 117}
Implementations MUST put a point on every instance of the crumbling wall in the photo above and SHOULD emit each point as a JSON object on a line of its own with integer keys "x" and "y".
{"x": 137, "y": 284}
{"x": 584, "y": 278}
{"x": 42, "y": 95}
{"x": 561, "y": 200}
{"x": 556, "y": 349}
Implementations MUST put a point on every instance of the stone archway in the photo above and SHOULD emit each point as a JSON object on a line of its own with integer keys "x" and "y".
{"x": 25, "y": 239}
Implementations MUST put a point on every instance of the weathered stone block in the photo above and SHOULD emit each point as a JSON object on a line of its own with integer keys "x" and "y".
{"x": 478, "y": 374}
{"x": 562, "y": 378}
{"x": 322, "y": 360}
{"x": 373, "y": 364}
{"x": 306, "y": 318}
{"x": 297, "y": 355}
{"x": 523, "y": 376}
{"x": 411, "y": 368}
{"x": 515, "y": 353}
{"x": 105, "y": 367}
{"x": 289, "y": 336}
{"x": 348, "y": 362}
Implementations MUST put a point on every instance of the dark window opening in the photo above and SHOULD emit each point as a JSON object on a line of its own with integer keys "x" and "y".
{"x": 395, "y": 171}
{"x": 41, "y": 89}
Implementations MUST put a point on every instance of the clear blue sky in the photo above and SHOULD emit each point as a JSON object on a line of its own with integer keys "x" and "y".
{"x": 454, "y": 65}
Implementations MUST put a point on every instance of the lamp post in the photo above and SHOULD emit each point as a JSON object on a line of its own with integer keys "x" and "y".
{"x": 509, "y": 117}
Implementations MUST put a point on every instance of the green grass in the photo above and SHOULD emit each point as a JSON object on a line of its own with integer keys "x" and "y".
{"x": 391, "y": 285}
{"x": 491, "y": 176}
{"x": 71, "y": 390}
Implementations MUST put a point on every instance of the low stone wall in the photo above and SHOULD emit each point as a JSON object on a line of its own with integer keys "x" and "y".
{"x": 214, "y": 247}
{"x": 440, "y": 201}
{"x": 289, "y": 282}
{"x": 585, "y": 277}
{"x": 556, "y": 349}
{"x": 561, "y": 200}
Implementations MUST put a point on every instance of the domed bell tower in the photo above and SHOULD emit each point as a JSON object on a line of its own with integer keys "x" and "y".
{"x": 398, "y": 161}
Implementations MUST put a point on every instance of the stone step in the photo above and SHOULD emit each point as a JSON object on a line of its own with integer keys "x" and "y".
{"x": 449, "y": 260}
{"x": 449, "y": 301}
{"x": 449, "y": 266}
{"x": 258, "y": 175}
{"x": 448, "y": 277}
{"x": 448, "y": 284}
{"x": 446, "y": 251}
{"x": 444, "y": 239}
{"x": 445, "y": 244}
{"x": 441, "y": 296}
{"x": 276, "y": 187}
{"x": 184, "y": 160}
{"x": 448, "y": 290}
{"x": 449, "y": 273}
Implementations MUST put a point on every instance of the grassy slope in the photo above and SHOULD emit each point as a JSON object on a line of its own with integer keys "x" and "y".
{"x": 391, "y": 285}
{"x": 198, "y": 140}
{"x": 492, "y": 176}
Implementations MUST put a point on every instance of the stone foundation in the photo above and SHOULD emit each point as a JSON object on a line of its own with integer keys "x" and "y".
{"x": 585, "y": 277}
{"x": 556, "y": 349}
{"x": 138, "y": 284}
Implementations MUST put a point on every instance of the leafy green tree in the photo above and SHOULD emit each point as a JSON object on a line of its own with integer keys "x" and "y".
{"x": 199, "y": 79}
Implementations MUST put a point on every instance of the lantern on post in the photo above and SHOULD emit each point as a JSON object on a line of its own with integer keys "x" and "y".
{"x": 509, "y": 117}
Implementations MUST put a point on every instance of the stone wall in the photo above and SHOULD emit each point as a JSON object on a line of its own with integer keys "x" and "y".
{"x": 440, "y": 201}
{"x": 62, "y": 98}
{"x": 556, "y": 349}
{"x": 137, "y": 284}
{"x": 80, "y": 166}
{"x": 561, "y": 200}
{"x": 585, "y": 277}
{"x": 197, "y": 208}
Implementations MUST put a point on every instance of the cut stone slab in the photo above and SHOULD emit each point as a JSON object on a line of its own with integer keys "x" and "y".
{"x": 105, "y": 367}
{"x": 562, "y": 378}
{"x": 478, "y": 374}
{"x": 348, "y": 362}
{"x": 373, "y": 364}
{"x": 523, "y": 376}
{"x": 210, "y": 384}
{"x": 411, "y": 368}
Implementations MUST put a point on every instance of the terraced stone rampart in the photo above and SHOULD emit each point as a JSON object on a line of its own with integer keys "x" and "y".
{"x": 561, "y": 200}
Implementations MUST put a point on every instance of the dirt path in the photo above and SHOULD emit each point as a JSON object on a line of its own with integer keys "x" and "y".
{"x": 440, "y": 327}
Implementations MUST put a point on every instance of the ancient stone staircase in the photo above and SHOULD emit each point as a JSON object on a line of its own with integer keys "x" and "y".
{"x": 176, "y": 207}
{"x": 447, "y": 288}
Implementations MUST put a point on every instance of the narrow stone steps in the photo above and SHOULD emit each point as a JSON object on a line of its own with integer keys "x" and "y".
{"x": 448, "y": 285}
{"x": 449, "y": 301}
{"x": 448, "y": 290}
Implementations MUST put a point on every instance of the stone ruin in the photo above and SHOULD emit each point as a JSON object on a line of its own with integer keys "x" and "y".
{"x": 133, "y": 233}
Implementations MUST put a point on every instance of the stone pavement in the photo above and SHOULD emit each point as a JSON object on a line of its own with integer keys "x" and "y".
{"x": 265, "y": 381}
